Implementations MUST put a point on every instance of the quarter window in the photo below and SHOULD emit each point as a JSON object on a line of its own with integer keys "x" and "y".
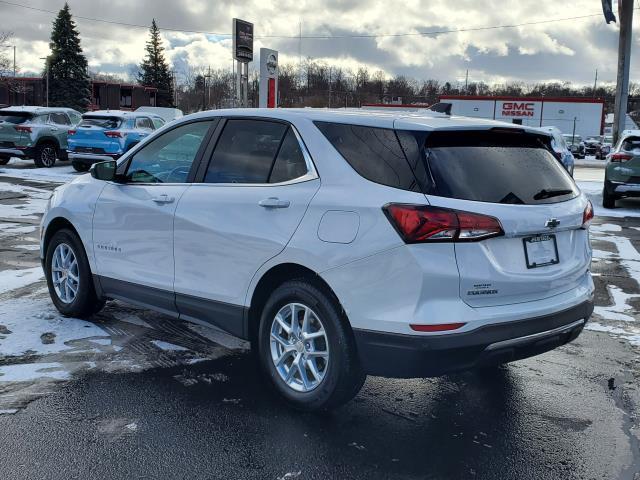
{"x": 59, "y": 119}
{"x": 144, "y": 122}
{"x": 168, "y": 158}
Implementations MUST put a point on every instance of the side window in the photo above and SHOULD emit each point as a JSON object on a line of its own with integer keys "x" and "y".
{"x": 168, "y": 158}
{"x": 245, "y": 152}
{"x": 374, "y": 153}
{"x": 290, "y": 163}
{"x": 157, "y": 123}
{"x": 59, "y": 119}
{"x": 144, "y": 122}
{"x": 75, "y": 118}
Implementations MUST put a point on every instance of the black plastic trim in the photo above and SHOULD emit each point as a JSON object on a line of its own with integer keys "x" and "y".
{"x": 228, "y": 317}
{"x": 416, "y": 356}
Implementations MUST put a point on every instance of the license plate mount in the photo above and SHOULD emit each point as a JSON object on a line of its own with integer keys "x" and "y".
{"x": 541, "y": 250}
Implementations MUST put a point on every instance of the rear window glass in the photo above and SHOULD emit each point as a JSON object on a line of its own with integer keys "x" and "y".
{"x": 375, "y": 153}
{"x": 14, "y": 117}
{"x": 494, "y": 167}
{"x": 103, "y": 122}
{"x": 631, "y": 143}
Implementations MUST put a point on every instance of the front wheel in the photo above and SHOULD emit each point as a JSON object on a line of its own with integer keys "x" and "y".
{"x": 69, "y": 276}
{"x": 306, "y": 347}
{"x": 80, "y": 167}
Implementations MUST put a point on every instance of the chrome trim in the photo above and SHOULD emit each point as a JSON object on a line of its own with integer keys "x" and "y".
{"x": 513, "y": 342}
{"x": 90, "y": 156}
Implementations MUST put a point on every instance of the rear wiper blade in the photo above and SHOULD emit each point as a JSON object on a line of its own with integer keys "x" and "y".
{"x": 544, "y": 193}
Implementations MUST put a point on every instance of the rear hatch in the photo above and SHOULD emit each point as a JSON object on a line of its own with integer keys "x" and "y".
{"x": 628, "y": 160}
{"x": 14, "y": 128}
{"x": 512, "y": 176}
{"x": 97, "y": 134}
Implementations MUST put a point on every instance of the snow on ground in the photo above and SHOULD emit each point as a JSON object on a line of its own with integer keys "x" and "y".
{"x": 62, "y": 172}
{"x": 14, "y": 279}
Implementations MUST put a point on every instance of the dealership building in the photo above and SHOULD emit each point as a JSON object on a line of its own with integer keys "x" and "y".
{"x": 584, "y": 116}
{"x": 104, "y": 95}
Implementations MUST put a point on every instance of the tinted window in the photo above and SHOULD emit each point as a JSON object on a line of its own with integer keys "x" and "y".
{"x": 372, "y": 152}
{"x": 245, "y": 152}
{"x": 99, "y": 121}
{"x": 14, "y": 117}
{"x": 144, "y": 122}
{"x": 290, "y": 162}
{"x": 496, "y": 167}
{"x": 168, "y": 158}
{"x": 59, "y": 119}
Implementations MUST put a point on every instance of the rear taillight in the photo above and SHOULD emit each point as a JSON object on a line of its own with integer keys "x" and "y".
{"x": 113, "y": 134}
{"x": 621, "y": 157}
{"x": 421, "y": 223}
{"x": 22, "y": 129}
{"x": 587, "y": 215}
{"x": 71, "y": 132}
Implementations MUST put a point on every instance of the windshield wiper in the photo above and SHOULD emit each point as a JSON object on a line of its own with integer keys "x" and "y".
{"x": 544, "y": 193}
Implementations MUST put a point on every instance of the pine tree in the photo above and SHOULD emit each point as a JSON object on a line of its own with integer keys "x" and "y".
{"x": 69, "y": 84}
{"x": 154, "y": 69}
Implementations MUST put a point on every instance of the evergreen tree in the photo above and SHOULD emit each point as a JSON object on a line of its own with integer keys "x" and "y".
{"x": 69, "y": 84}
{"x": 154, "y": 70}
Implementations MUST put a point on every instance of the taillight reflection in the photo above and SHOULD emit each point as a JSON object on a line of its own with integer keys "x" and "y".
{"x": 587, "y": 215}
{"x": 621, "y": 157}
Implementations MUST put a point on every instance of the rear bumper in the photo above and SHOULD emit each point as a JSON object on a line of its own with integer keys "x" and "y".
{"x": 623, "y": 189}
{"x": 413, "y": 356}
{"x": 91, "y": 158}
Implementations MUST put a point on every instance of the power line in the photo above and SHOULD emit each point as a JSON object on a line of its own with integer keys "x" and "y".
{"x": 321, "y": 37}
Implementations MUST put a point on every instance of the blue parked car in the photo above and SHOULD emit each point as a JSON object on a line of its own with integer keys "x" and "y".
{"x": 107, "y": 134}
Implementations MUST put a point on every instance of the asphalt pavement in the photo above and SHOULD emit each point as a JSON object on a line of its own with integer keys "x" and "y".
{"x": 133, "y": 394}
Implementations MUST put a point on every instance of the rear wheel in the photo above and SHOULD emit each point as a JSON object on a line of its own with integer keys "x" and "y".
{"x": 80, "y": 167}
{"x": 608, "y": 199}
{"x": 306, "y": 348}
{"x": 45, "y": 155}
{"x": 69, "y": 276}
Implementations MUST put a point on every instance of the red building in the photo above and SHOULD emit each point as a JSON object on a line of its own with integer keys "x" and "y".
{"x": 104, "y": 95}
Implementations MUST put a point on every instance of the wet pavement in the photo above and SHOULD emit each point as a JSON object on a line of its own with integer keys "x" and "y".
{"x": 134, "y": 394}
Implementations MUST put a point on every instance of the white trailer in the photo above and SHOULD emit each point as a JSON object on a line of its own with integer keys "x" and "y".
{"x": 586, "y": 115}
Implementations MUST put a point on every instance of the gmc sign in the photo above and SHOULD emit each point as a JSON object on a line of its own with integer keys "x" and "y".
{"x": 517, "y": 109}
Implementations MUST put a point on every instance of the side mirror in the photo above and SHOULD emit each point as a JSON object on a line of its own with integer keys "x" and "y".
{"x": 104, "y": 170}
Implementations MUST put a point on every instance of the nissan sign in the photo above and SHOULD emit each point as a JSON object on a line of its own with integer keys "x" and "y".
{"x": 242, "y": 40}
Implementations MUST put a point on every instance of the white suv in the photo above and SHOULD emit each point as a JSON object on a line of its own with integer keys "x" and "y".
{"x": 340, "y": 243}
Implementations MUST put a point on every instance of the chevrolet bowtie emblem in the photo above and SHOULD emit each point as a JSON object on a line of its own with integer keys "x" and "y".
{"x": 552, "y": 223}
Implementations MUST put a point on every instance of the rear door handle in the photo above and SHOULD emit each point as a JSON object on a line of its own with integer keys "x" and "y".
{"x": 164, "y": 198}
{"x": 274, "y": 202}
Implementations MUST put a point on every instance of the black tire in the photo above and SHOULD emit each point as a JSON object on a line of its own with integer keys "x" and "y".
{"x": 608, "y": 199}
{"x": 45, "y": 155}
{"x": 4, "y": 160}
{"x": 343, "y": 377}
{"x": 80, "y": 167}
{"x": 86, "y": 301}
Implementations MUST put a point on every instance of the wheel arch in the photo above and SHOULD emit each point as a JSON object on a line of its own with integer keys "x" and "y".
{"x": 55, "y": 225}
{"x": 48, "y": 139}
{"x": 272, "y": 279}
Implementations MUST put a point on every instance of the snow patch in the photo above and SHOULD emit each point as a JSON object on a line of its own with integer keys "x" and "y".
{"x": 168, "y": 346}
{"x": 13, "y": 279}
{"x": 28, "y": 372}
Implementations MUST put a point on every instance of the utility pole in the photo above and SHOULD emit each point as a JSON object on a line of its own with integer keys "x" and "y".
{"x": 14, "y": 62}
{"x": 46, "y": 59}
{"x": 595, "y": 84}
{"x": 625, "y": 14}
{"x": 466, "y": 83}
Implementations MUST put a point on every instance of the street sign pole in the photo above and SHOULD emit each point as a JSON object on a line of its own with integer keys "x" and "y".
{"x": 243, "y": 54}
{"x": 625, "y": 14}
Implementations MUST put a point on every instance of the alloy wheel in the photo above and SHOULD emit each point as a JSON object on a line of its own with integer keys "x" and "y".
{"x": 48, "y": 156}
{"x": 299, "y": 347}
{"x": 64, "y": 273}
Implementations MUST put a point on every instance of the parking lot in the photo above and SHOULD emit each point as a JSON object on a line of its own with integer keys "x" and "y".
{"x": 135, "y": 394}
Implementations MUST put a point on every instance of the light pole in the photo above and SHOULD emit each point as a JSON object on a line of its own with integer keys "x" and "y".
{"x": 46, "y": 59}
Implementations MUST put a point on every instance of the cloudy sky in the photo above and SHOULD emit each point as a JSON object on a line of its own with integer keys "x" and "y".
{"x": 568, "y": 50}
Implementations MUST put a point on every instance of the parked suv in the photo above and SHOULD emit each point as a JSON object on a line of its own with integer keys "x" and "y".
{"x": 107, "y": 134}
{"x": 39, "y": 133}
{"x": 622, "y": 171}
{"x": 339, "y": 243}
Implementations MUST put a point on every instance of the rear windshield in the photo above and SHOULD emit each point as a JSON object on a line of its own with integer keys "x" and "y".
{"x": 103, "y": 122}
{"x": 14, "y": 117}
{"x": 485, "y": 166}
{"x": 631, "y": 143}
